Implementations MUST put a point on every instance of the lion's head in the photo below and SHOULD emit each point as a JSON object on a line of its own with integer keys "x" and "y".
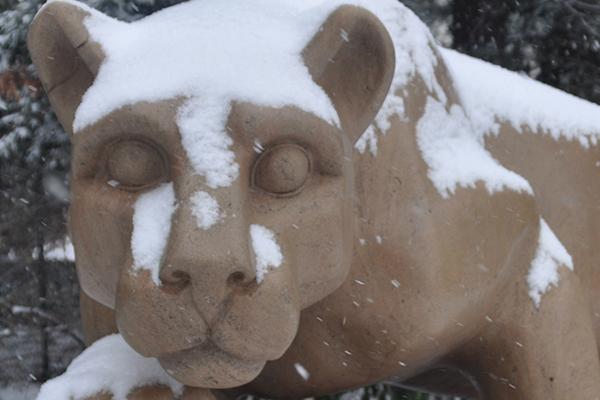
{"x": 211, "y": 175}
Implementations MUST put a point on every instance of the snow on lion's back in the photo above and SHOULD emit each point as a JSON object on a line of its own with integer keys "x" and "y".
{"x": 491, "y": 94}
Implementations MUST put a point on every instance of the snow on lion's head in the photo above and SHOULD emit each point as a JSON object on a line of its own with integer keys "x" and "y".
{"x": 211, "y": 175}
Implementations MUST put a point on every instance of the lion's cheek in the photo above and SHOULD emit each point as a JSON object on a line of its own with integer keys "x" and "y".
{"x": 100, "y": 225}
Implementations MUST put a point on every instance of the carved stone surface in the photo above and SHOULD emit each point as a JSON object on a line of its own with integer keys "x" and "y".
{"x": 320, "y": 268}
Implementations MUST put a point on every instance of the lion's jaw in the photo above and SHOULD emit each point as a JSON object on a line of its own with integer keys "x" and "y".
{"x": 205, "y": 342}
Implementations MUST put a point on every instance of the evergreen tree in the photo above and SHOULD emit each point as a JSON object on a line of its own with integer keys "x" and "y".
{"x": 437, "y": 14}
{"x": 569, "y": 54}
{"x": 555, "y": 41}
{"x": 38, "y": 299}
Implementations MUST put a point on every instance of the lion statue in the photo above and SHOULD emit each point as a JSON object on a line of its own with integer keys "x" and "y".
{"x": 296, "y": 198}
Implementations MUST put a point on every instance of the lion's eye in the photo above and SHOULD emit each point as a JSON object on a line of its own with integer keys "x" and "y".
{"x": 282, "y": 170}
{"x": 134, "y": 164}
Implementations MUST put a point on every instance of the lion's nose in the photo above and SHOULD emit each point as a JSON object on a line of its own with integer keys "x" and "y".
{"x": 207, "y": 267}
{"x": 242, "y": 283}
{"x": 175, "y": 281}
{"x": 210, "y": 286}
{"x": 208, "y": 262}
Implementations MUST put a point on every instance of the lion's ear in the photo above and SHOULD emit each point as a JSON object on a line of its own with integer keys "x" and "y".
{"x": 66, "y": 59}
{"x": 352, "y": 58}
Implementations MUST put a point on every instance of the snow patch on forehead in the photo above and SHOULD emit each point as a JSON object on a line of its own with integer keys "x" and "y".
{"x": 152, "y": 216}
{"x": 207, "y": 145}
{"x": 456, "y": 156}
{"x": 550, "y": 255}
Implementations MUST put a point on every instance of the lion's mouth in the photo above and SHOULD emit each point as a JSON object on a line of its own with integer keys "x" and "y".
{"x": 208, "y": 366}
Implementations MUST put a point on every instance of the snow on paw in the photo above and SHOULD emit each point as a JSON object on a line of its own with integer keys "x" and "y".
{"x": 142, "y": 393}
{"x": 111, "y": 370}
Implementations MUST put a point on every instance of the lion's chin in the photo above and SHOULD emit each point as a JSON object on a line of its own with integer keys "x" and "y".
{"x": 207, "y": 366}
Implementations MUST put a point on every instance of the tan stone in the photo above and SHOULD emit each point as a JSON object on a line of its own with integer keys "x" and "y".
{"x": 412, "y": 303}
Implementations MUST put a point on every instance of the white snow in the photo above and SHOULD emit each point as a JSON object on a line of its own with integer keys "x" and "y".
{"x": 415, "y": 56}
{"x": 61, "y": 250}
{"x": 551, "y": 254}
{"x": 206, "y": 143}
{"x": 238, "y": 50}
{"x": 267, "y": 251}
{"x": 19, "y": 391}
{"x": 206, "y": 210}
{"x": 491, "y": 94}
{"x": 250, "y": 50}
{"x": 455, "y": 154}
{"x": 302, "y": 371}
{"x": 109, "y": 365}
{"x": 221, "y": 51}
{"x": 151, "y": 228}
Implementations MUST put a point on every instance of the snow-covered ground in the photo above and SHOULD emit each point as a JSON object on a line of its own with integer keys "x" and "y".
{"x": 23, "y": 391}
{"x": 60, "y": 251}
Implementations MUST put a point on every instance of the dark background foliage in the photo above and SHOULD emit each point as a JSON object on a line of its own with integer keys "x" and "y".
{"x": 554, "y": 41}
